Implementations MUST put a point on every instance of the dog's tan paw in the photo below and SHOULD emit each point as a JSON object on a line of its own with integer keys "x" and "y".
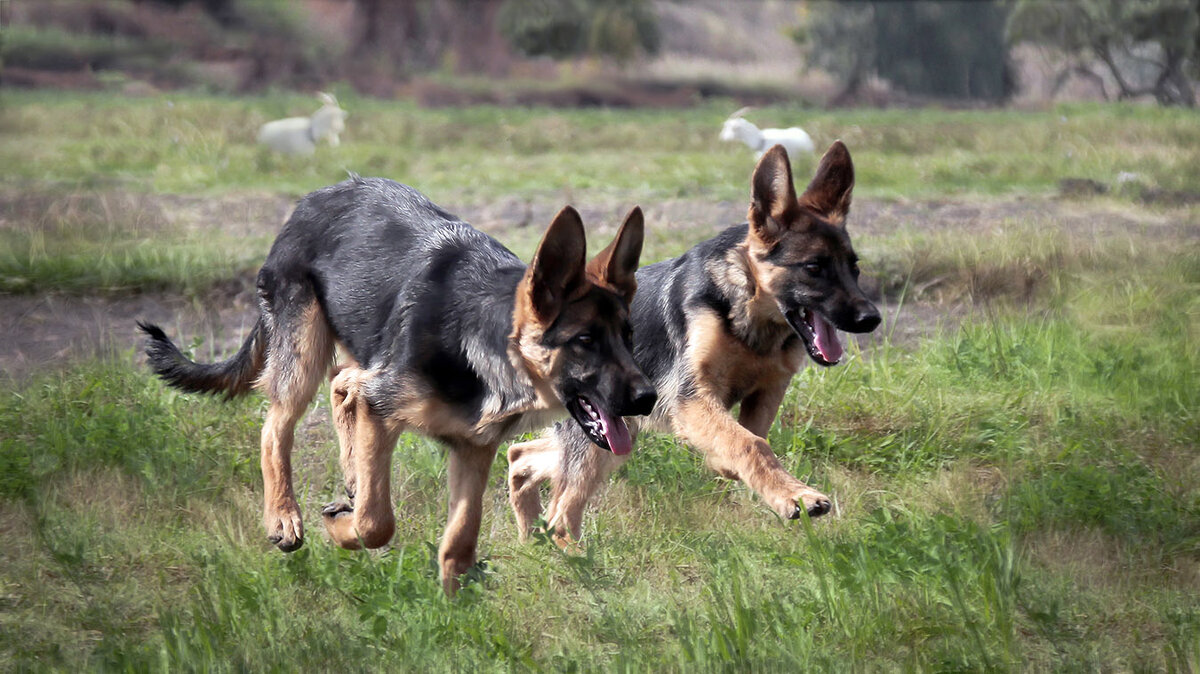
{"x": 812, "y": 502}
{"x": 568, "y": 543}
{"x": 339, "y": 524}
{"x": 285, "y": 529}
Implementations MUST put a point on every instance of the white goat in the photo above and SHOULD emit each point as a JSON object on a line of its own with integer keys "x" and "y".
{"x": 300, "y": 135}
{"x": 793, "y": 139}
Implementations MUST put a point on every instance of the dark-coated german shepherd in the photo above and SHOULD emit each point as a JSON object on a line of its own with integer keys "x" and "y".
{"x": 444, "y": 332}
{"x": 730, "y": 321}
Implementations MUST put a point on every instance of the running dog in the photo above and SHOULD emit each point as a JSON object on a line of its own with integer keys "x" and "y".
{"x": 730, "y": 321}
{"x": 444, "y": 331}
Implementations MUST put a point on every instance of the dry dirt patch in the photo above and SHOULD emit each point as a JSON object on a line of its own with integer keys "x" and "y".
{"x": 51, "y": 332}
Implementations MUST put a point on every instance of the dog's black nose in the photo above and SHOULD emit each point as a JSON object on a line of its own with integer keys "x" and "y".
{"x": 866, "y": 319}
{"x": 641, "y": 400}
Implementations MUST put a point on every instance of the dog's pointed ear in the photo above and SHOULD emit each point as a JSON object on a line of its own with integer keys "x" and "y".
{"x": 616, "y": 265}
{"x": 558, "y": 265}
{"x": 829, "y": 192}
{"x": 773, "y": 205}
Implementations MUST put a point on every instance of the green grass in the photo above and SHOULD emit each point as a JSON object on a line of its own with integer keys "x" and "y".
{"x": 1016, "y": 490}
{"x": 189, "y": 143}
{"x": 118, "y": 263}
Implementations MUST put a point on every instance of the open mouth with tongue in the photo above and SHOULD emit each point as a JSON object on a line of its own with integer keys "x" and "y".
{"x": 604, "y": 429}
{"x": 819, "y": 335}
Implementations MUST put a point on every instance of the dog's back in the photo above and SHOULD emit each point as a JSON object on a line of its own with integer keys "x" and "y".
{"x": 420, "y": 263}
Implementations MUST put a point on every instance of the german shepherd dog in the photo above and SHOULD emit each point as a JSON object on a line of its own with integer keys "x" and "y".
{"x": 730, "y": 321}
{"x": 444, "y": 331}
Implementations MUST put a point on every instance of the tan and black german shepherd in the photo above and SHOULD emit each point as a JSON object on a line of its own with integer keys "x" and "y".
{"x": 730, "y": 321}
{"x": 444, "y": 332}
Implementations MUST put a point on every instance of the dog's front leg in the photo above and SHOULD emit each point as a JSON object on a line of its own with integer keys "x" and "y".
{"x": 583, "y": 469}
{"x": 468, "y": 466}
{"x": 735, "y": 452}
{"x": 575, "y": 470}
{"x": 530, "y": 464}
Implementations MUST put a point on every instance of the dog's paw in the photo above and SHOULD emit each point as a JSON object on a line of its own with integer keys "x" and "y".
{"x": 336, "y": 509}
{"x": 338, "y": 517}
{"x": 285, "y": 530}
{"x": 812, "y": 502}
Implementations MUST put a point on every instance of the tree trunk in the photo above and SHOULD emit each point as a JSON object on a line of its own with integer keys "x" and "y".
{"x": 390, "y": 28}
{"x": 854, "y": 83}
{"x": 1172, "y": 86}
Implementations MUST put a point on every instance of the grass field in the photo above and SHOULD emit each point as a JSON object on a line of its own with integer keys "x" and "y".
{"x": 1014, "y": 456}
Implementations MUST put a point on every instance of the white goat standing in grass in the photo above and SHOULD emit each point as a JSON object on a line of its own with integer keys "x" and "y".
{"x": 300, "y": 135}
{"x": 793, "y": 139}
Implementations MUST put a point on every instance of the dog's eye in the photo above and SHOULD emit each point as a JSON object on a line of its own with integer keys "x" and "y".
{"x": 813, "y": 268}
{"x": 583, "y": 340}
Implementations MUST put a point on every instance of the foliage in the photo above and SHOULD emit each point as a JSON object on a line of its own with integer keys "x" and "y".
{"x": 840, "y": 38}
{"x": 157, "y": 42}
{"x": 544, "y": 27}
{"x": 616, "y": 28}
{"x": 1149, "y": 47}
{"x": 946, "y": 49}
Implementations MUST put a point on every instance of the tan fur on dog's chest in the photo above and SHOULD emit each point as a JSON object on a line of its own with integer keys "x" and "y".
{"x": 729, "y": 370}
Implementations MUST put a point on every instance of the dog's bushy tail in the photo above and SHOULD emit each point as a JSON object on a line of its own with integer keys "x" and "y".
{"x": 231, "y": 377}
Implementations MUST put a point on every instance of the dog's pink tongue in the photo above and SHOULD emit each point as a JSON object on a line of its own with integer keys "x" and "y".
{"x": 617, "y": 433}
{"x": 826, "y": 339}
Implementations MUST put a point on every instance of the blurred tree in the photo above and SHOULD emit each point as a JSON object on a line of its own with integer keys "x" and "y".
{"x": 840, "y": 39}
{"x": 553, "y": 28}
{"x": 397, "y": 38}
{"x": 390, "y": 30}
{"x": 1148, "y": 46}
{"x": 563, "y": 28}
{"x": 951, "y": 49}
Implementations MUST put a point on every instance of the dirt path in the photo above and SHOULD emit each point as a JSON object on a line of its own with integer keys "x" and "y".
{"x": 53, "y": 331}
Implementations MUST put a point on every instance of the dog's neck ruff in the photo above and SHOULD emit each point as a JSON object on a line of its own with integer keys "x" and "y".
{"x": 754, "y": 317}
{"x": 512, "y": 390}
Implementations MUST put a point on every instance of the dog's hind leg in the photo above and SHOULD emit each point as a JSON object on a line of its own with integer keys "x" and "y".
{"x": 468, "y": 467}
{"x": 366, "y": 454}
{"x": 342, "y": 398}
{"x": 530, "y": 465}
{"x": 298, "y": 355}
